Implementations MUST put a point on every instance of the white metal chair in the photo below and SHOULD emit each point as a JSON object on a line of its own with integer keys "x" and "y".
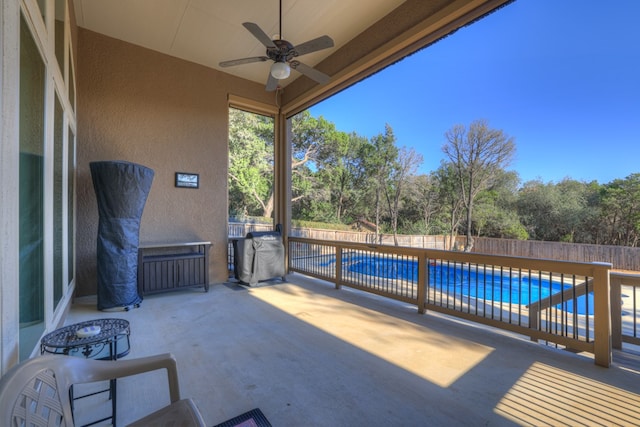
{"x": 36, "y": 391}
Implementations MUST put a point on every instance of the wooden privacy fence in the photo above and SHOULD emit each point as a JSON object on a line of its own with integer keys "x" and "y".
{"x": 620, "y": 257}
{"x": 407, "y": 241}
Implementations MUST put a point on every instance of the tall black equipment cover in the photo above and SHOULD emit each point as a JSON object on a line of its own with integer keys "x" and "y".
{"x": 121, "y": 191}
{"x": 259, "y": 256}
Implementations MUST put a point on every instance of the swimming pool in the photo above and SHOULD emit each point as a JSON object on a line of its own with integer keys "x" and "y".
{"x": 483, "y": 283}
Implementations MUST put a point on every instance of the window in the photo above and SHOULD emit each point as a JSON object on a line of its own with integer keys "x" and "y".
{"x": 46, "y": 172}
{"x": 31, "y": 246}
{"x": 251, "y": 161}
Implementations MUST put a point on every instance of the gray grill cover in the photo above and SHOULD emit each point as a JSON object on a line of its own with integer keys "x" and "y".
{"x": 121, "y": 191}
{"x": 259, "y": 256}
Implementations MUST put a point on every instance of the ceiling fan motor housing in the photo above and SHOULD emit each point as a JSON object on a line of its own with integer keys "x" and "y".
{"x": 283, "y": 52}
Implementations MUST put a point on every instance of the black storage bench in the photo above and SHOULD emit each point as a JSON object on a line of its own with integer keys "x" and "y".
{"x": 164, "y": 267}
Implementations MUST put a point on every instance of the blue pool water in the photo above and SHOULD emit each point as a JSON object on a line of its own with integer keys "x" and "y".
{"x": 483, "y": 284}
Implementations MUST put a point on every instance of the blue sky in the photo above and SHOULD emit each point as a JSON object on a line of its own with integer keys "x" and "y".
{"x": 560, "y": 76}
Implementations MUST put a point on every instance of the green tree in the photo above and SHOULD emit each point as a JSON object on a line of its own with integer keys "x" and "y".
{"x": 405, "y": 165}
{"x": 495, "y": 213}
{"x": 310, "y": 136}
{"x": 380, "y": 162}
{"x": 592, "y": 221}
{"x": 341, "y": 170}
{"x": 621, "y": 211}
{"x": 476, "y": 154}
{"x": 326, "y": 169}
{"x": 573, "y": 210}
{"x": 452, "y": 204}
{"x": 250, "y": 176}
{"x": 558, "y": 212}
{"x": 420, "y": 205}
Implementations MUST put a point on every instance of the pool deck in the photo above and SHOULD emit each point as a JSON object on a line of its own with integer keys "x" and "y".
{"x": 308, "y": 354}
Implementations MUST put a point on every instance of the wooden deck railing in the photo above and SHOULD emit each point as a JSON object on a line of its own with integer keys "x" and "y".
{"x": 625, "y": 308}
{"x": 498, "y": 291}
{"x": 543, "y": 319}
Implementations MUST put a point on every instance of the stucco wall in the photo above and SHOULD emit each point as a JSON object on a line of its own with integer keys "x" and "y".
{"x": 141, "y": 106}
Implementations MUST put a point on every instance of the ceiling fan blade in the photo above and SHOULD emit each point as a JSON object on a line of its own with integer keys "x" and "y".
{"x": 312, "y": 73}
{"x": 320, "y": 43}
{"x": 243, "y": 61}
{"x": 259, "y": 34}
{"x": 272, "y": 83}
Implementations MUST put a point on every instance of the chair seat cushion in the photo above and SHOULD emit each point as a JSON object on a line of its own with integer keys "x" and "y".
{"x": 182, "y": 413}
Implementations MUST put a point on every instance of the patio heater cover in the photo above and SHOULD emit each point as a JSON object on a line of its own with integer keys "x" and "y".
{"x": 121, "y": 192}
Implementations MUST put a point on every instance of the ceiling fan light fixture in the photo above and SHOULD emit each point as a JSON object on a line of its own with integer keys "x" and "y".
{"x": 280, "y": 70}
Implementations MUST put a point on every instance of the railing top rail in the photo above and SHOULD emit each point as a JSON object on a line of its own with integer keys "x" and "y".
{"x": 568, "y": 267}
{"x": 624, "y": 278}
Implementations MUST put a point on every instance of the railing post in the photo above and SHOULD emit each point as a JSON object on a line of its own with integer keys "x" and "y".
{"x": 616, "y": 312}
{"x": 534, "y": 313}
{"x": 422, "y": 281}
{"x": 338, "y": 267}
{"x": 602, "y": 314}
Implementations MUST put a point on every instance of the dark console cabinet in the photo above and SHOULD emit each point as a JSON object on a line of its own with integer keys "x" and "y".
{"x": 165, "y": 267}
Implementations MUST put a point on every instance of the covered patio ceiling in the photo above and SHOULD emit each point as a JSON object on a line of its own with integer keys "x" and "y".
{"x": 367, "y": 35}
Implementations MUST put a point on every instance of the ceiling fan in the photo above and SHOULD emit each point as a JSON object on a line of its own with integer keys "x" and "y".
{"x": 284, "y": 54}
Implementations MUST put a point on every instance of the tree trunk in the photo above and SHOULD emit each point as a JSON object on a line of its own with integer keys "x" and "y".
{"x": 268, "y": 207}
{"x": 470, "y": 195}
{"x": 378, "y": 216}
{"x": 394, "y": 221}
{"x": 339, "y": 209}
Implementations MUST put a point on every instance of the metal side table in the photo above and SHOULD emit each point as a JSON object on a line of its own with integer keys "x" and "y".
{"x": 111, "y": 343}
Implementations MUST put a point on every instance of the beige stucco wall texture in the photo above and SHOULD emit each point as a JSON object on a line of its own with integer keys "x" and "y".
{"x": 170, "y": 115}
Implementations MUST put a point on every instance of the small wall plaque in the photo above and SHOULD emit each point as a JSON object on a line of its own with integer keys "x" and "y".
{"x": 187, "y": 180}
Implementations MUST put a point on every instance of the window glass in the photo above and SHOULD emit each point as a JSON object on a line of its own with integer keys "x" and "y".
{"x": 58, "y": 146}
{"x": 42, "y": 4}
{"x": 31, "y": 200}
{"x": 71, "y": 211}
{"x": 72, "y": 84}
{"x": 59, "y": 34}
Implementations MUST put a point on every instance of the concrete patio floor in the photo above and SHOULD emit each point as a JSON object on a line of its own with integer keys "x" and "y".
{"x": 307, "y": 354}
